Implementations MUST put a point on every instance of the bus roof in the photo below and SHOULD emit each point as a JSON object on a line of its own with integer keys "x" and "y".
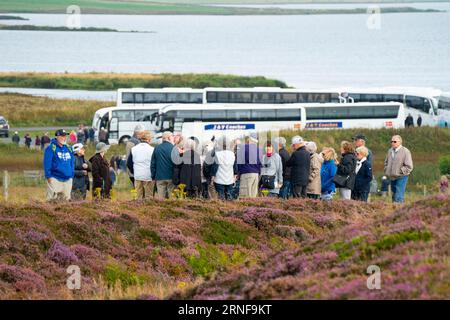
{"x": 157, "y": 90}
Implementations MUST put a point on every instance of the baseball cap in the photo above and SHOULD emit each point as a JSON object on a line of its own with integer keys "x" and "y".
{"x": 297, "y": 140}
{"x": 359, "y": 136}
{"x": 60, "y": 132}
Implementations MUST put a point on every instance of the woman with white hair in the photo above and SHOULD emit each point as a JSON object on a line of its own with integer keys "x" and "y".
{"x": 314, "y": 188}
{"x": 363, "y": 175}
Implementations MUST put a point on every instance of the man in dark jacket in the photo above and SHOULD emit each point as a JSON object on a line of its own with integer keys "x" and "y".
{"x": 285, "y": 191}
{"x": 162, "y": 166}
{"x": 409, "y": 121}
{"x": 419, "y": 121}
{"x": 80, "y": 183}
{"x": 299, "y": 162}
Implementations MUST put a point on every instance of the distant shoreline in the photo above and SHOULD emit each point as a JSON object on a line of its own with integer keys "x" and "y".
{"x": 241, "y": 11}
{"x": 64, "y": 29}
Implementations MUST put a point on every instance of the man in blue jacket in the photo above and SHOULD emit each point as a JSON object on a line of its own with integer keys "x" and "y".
{"x": 162, "y": 166}
{"x": 59, "y": 167}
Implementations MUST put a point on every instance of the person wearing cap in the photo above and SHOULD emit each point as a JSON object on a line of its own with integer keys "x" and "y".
{"x": 360, "y": 141}
{"x": 138, "y": 163}
{"x": 133, "y": 141}
{"x": 249, "y": 166}
{"x": 80, "y": 183}
{"x": 100, "y": 172}
{"x": 299, "y": 162}
{"x": 59, "y": 167}
{"x": 16, "y": 138}
{"x": 162, "y": 166}
{"x": 398, "y": 165}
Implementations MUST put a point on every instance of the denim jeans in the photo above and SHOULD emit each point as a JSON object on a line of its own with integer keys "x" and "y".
{"x": 224, "y": 191}
{"x": 398, "y": 187}
{"x": 285, "y": 190}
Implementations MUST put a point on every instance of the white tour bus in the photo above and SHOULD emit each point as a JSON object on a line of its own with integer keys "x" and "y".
{"x": 140, "y": 97}
{"x": 235, "y": 119}
{"x": 417, "y": 101}
{"x": 121, "y": 121}
{"x": 444, "y": 110}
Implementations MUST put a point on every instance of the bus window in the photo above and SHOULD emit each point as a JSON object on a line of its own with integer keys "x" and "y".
{"x": 143, "y": 115}
{"x": 211, "y": 96}
{"x": 334, "y": 98}
{"x": 238, "y": 115}
{"x": 286, "y": 98}
{"x": 314, "y": 113}
{"x": 288, "y": 115}
{"x": 417, "y": 103}
{"x": 240, "y": 97}
{"x": 356, "y": 97}
{"x": 196, "y": 97}
{"x": 393, "y": 97}
{"x": 154, "y": 97}
{"x": 189, "y": 115}
{"x": 371, "y": 98}
{"x": 264, "y": 114}
{"x": 138, "y": 98}
{"x": 222, "y": 97}
{"x": 214, "y": 115}
{"x": 360, "y": 112}
{"x": 124, "y": 115}
{"x": 127, "y": 97}
{"x": 389, "y": 112}
{"x": 262, "y": 97}
{"x": 177, "y": 97}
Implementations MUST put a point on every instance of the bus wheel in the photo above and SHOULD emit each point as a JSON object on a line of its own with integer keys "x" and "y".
{"x": 124, "y": 140}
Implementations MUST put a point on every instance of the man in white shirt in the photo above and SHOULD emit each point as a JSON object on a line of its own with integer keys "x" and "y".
{"x": 138, "y": 163}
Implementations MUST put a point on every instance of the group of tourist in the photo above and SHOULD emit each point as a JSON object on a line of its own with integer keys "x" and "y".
{"x": 226, "y": 169}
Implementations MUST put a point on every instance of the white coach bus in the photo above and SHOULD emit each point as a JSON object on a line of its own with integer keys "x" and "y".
{"x": 417, "y": 101}
{"x": 234, "y": 120}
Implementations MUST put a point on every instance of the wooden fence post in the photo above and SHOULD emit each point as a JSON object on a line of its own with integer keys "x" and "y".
{"x": 5, "y": 185}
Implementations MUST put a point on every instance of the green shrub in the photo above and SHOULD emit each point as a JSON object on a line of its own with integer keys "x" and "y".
{"x": 222, "y": 231}
{"x": 211, "y": 259}
{"x": 444, "y": 164}
{"x": 116, "y": 274}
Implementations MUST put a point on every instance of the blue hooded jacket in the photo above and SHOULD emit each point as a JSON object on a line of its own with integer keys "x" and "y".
{"x": 327, "y": 172}
{"x": 58, "y": 162}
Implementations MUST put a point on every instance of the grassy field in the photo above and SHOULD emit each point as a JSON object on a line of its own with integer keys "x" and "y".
{"x": 166, "y": 7}
{"x": 250, "y": 249}
{"x": 113, "y": 81}
{"x": 29, "y": 111}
